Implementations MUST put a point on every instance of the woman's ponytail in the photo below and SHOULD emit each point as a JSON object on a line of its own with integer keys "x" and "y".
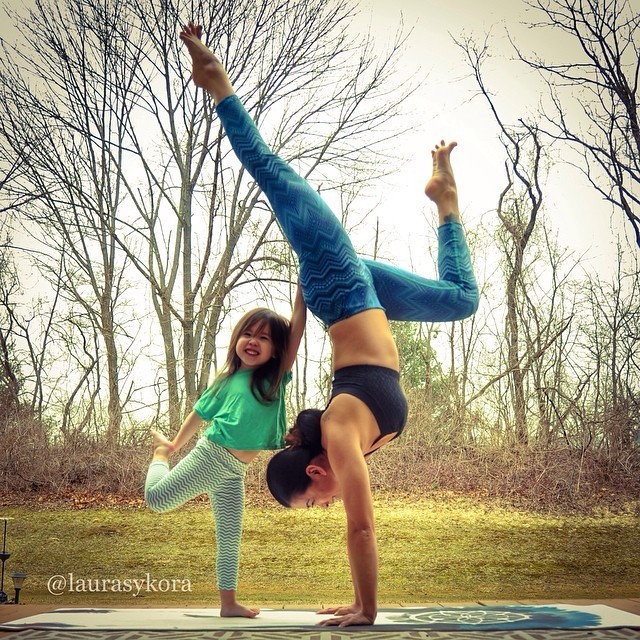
{"x": 306, "y": 431}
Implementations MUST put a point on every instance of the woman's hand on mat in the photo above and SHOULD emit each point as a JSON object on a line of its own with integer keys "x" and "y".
{"x": 341, "y": 611}
{"x": 352, "y": 619}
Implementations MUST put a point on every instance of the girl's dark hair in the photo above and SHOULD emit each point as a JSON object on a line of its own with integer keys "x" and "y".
{"x": 265, "y": 379}
{"x": 286, "y": 471}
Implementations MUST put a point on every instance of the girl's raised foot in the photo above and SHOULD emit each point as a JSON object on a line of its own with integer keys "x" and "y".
{"x": 162, "y": 447}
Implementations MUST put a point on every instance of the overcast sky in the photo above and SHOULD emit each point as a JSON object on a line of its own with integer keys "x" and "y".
{"x": 583, "y": 222}
{"x": 444, "y": 107}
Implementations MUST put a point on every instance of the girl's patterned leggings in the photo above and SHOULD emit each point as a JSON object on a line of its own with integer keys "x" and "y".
{"x": 211, "y": 469}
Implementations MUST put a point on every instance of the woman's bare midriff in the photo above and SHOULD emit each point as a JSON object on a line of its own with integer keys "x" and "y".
{"x": 364, "y": 338}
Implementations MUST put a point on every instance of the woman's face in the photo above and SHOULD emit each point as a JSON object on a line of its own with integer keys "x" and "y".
{"x": 323, "y": 491}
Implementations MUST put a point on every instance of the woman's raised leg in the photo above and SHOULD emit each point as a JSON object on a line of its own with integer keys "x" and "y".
{"x": 334, "y": 281}
{"x": 454, "y": 296}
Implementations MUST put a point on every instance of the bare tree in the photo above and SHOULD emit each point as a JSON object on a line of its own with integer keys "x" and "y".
{"x": 610, "y": 333}
{"x": 25, "y": 335}
{"x": 594, "y": 94}
{"x": 518, "y": 208}
{"x": 9, "y": 367}
{"x": 549, "y": 307}
{"x": 131, "y": 167}
{"x": 58, "y": 105}
{"x": 533, "y": 328}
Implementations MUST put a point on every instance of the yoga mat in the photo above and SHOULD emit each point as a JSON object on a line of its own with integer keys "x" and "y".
{"x": 329, "y": 634}
{"x": 467, "y": 618}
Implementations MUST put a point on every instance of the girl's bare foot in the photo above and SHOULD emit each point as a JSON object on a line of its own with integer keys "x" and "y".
{"x": 230, "y": 608}
{"x": 238, "y": 611}
{"x": 208, "y": 72}
{"x": 162, "y": 447}
{"x": 441, "y": 188}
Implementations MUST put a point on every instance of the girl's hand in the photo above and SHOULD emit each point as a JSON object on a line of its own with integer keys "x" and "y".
{"x": 349, "y": 620}
{"x": 340, "y": 611}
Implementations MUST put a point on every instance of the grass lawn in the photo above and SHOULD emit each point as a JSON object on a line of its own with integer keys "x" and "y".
{"x": 430, "y": 550}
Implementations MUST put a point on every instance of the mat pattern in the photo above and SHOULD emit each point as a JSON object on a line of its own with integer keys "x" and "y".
{"x": 551, "y": 634}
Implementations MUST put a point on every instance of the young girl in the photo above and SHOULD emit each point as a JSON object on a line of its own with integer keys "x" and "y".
{"x": 355, "y": 299}
{"x": 246, "y": 408}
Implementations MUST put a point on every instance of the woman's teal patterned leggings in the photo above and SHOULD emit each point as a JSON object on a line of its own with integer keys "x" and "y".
{"x": 211, "y": 469}
{"x": 335, "y": 282}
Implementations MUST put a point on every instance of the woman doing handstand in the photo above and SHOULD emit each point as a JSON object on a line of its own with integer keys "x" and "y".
{"x": 355, "y": 299}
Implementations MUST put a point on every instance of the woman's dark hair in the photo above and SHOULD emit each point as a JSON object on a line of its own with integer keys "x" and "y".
{"x": 287, "y": 470}
{"x": 266, "y": 379}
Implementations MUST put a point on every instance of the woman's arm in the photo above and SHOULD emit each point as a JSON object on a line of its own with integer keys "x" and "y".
{"x": 298, "y": 321}
{"x": 350, "y": 468}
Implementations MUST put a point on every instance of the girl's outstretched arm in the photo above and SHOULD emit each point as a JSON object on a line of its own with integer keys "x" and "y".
{"x": 298, "y": 321}
{"x": 191, "y": 425}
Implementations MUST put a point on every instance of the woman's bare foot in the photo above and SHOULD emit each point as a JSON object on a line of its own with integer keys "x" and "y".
{"x": 229, "y": 608}
{"x": 441, "y": 188}
{"x": 162, "y": 447}
{"x": 208, "y": 72}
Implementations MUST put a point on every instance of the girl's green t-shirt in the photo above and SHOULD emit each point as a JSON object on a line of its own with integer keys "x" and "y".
{"x": 238, "y": 419}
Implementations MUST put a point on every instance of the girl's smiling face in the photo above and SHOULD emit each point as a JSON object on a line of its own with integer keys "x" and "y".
{"x": 254, "y": 346}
